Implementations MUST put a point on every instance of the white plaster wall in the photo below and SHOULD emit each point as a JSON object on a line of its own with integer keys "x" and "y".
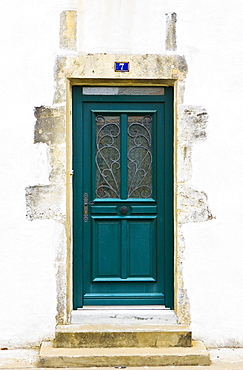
{"x": 28, "y": 43}
{"x": 214, "y": 253}
{"x": 122, "y": 26}
{"x": 209, "y": 35}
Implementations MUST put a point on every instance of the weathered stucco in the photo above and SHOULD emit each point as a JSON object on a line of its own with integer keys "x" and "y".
{"x": 68, "y": 30}
{"x": 169, "y": 69}
{"x": 192, "y": 204}
{"x": 101, "y": 66}
{"x": 36, "y": 257}
{"x": 170, "y": 38}
{"x": 50, "y": 125}
{"x": 48, "y": 201}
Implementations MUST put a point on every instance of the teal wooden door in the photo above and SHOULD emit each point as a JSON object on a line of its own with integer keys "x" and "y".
{"x": 123, "y": 199}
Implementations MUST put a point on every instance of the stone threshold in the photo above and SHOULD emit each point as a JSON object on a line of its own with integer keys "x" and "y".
{"x": 145, "y": 315}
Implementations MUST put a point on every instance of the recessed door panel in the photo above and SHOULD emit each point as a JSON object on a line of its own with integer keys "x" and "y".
{"x": 106, "y": 251}
{"x": 141, "y": 251}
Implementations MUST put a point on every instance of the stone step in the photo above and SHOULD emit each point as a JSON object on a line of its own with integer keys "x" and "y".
{"x": 151, "y": 315}
{"x": 113, "y": 357}
{"x": 107, "y": 335}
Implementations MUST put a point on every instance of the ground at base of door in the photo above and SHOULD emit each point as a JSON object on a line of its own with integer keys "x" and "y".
{"x": 222, "y": 359}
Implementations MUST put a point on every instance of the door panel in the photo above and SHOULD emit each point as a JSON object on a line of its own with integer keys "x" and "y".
{"x": 106, "y": 255}
{"x": 141, "y": 251}
{"x": 123, "y": 240}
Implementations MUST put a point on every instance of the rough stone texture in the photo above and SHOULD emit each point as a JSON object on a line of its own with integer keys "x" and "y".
{"x": 62, "y": 293}
{"x": 99, "y": 69}
{"x": 88, "y": 357}
{"x": 59, "y": 76}
{"x": 81, "y": 336}
{"x": 58, "y": 164}
{"x": 170, "y": 37}
{"x": 68, "y": 30}
{"x": 45, "y": 202}
{"x": 222, "y": 359}
{"x": 182, "y": 301}
{"x": 49, "y": 201}
{"x": 91, "y": 66}
{"x": 192, "y": 123}
{"x": 62, "y": 271}
{"x": 29, "y": 45}
{"x": 192, "y": 204}
{"x": 50, "y": 125}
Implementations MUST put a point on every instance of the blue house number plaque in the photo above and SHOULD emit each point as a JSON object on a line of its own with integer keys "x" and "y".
{"x": 121, "y": 66}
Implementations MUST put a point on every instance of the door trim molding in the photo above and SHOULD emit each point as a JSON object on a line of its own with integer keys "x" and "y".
{"x": 121, "y": 82}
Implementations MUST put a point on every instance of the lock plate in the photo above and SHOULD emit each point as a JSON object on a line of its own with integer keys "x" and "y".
{"x": 86, "y": 211}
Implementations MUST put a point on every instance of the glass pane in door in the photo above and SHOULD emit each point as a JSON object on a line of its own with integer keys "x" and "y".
{"x": 107, "y": 156}
{"x": 139, "y": 156}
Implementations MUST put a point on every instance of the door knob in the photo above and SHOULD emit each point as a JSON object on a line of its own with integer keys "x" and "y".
{"x": 123, "y": 210}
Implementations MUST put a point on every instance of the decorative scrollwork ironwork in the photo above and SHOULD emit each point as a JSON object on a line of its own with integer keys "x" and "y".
{"x": 107, "y": 157}
{"x": 139, "y": 157}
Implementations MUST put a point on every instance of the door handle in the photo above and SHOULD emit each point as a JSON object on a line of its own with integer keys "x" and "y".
{"x": 86, "y": 208}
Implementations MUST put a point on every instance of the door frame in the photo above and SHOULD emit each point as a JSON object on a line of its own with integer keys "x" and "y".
{"x": 164, "y": 108}
{"x": 69, "y": 224}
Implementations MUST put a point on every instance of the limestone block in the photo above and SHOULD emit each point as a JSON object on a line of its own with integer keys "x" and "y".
{"x": 45, "y": 202}
{"x": 192, "y": 124}
{"x": 50, "y": 125}
{"x": 107, "y": 336}
{"x": 113, "y": 357}
{"x": 192, "y": 205}
{"x": 68, "y": 30}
